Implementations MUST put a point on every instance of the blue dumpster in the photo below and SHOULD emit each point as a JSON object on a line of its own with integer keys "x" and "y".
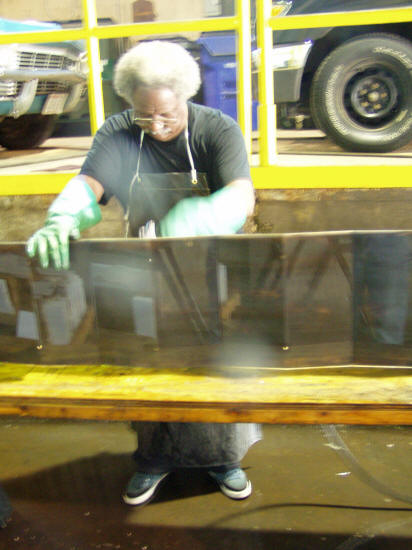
{"x": 218, "y": 62}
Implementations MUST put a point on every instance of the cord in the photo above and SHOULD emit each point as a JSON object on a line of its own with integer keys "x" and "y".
{"x": 346, "y": 454}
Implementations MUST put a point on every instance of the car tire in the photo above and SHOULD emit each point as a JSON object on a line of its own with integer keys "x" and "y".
{"x": 361, "y": 94}
{"x": 26, "y": 131}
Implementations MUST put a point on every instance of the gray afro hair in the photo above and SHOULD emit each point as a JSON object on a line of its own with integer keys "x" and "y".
{"x": 157, "y": 64}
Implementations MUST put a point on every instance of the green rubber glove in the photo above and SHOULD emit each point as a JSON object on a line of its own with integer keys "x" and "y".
{"x": 74, "y": 210}
{"x": 221, "y": 213}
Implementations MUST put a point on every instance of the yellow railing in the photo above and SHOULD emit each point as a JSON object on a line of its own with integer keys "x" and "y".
{"x": 266, "y": 23}
{"x": 91, "y": 33}
{"x": 268, "y": 174}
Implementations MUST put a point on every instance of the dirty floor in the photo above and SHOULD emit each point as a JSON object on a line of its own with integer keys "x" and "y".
{"x": 65, "y": 479}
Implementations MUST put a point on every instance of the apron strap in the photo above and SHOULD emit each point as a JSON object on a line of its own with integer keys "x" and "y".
{"x": 193, "y": 174}
{"x": 189, "y": 154}
{"x": 135, "y": 177}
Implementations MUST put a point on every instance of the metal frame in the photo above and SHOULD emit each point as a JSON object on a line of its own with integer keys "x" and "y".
{"x": 266, "y": 24}
{"x": 267, "y": 175}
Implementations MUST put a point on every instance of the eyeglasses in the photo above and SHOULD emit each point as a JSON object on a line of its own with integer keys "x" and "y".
{"x": 161, "y": 120}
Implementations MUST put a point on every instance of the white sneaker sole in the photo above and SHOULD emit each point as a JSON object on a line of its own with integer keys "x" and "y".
{"x": 236, "y": 495}
{"x": 146, "y": 496}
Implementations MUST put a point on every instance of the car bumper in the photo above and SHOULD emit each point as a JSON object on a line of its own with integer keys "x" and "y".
{"x": 288, "y": 63}
{"x": 64, "y": 101}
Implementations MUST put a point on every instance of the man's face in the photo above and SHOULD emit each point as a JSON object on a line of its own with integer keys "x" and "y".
{"x": 159, "y": 112}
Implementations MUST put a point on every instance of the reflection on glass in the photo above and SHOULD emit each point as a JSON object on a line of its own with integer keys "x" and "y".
{"x": 382, "y": 269}
{"x": 40, "y": 310}
{"x": 255, "y": 301}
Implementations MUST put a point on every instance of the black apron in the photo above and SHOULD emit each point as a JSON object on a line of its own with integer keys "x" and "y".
{"x": 151, "y": 196}
{"x": 163, "y": 446}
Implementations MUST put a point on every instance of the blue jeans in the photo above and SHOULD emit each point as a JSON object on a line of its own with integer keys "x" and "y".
{"x": 382, "y": 264}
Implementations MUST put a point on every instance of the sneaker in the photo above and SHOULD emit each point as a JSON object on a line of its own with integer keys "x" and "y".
{"x": 141, "y": 487}
{"x": 233, "y": 483}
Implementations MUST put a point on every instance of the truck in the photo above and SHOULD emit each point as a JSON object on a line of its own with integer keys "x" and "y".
{"x": 38, "y": 83}
{"x": 352, "y": 82}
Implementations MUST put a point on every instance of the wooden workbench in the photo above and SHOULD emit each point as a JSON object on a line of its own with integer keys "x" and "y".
{"x": 346, "y": 394}
{"x": 223, "y": 330}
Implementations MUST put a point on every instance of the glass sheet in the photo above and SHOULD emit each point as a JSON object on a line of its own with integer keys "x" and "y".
{"x": 257, "y": 301}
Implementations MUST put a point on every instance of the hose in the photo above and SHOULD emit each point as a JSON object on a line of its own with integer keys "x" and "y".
{"x": 349, "y": 458}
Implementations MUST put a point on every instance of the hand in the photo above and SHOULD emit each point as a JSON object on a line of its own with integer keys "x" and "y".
{"x": 52, "y": 242}
{"x": 221, "y": 213}
{"x": 188, "y": 218}
{"x": 72, "y": 211}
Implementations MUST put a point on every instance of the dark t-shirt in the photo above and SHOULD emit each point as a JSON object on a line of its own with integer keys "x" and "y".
{"x": 216, "y": 143}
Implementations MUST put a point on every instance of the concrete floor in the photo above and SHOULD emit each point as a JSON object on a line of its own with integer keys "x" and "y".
{"x": 65, "y": 479}
{"x": 294, "y": 147}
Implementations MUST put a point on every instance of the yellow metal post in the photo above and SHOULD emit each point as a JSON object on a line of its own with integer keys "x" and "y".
{"x": 341, "y": 19}
{"x": 96, "y": 106}
{"x": 269, "y": 174}
{"x": 266, "y": 110}
{"x": 244, "y": 80}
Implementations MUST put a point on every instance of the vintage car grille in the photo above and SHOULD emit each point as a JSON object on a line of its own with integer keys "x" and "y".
{"x": 40, "y": 60}
{"x": 8, "y": 89}
{"x": 28, "y": 60}
{"x": 51, "y": 87}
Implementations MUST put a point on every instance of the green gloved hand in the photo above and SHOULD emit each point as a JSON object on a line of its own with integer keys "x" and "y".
{"x": 74, "y": 210}
{"x": 221, "y": 213}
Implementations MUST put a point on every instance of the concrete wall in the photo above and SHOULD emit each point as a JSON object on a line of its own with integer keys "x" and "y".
{"x": 119, "y": 10}
{"x": 277, "y": 211}
{"x": 41, "y": 9}
{"x": 333, "y": 210}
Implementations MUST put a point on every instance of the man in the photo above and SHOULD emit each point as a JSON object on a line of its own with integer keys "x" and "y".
{"x": 178, "y": 169}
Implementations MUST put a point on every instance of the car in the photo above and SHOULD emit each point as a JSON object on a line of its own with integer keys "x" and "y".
{"x": 352, "y": 82}
{"x": 38, "y": 82}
